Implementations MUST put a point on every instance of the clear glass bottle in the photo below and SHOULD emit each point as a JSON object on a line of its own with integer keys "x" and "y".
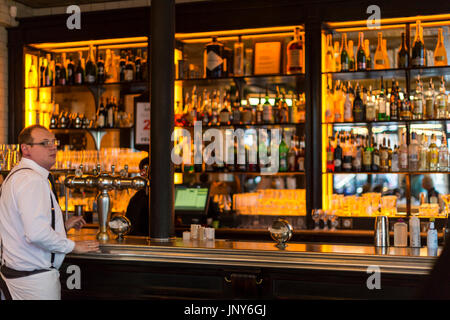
{"x": 423, "y": 153}
{"x": 267, "y": 110}
{"x": 371, "y": 114}
{"x": 418, "y": 102}
{"x": 429, "y": 102}
{"x": 413, "y": 153}
{"x": 403, "y": 155}
{"x": 443, "y": 155}
{"x": 238, "y": 66}
{"x": 433, "y": 154}
{"x": 394, "y": 162}
{"x": 441, "y": 102}
{"x": 381, "y": 103}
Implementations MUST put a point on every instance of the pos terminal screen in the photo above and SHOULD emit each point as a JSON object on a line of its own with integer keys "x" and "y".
{"x": 191, "y": 199}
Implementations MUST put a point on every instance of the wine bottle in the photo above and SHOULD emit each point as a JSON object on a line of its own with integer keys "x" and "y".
{"x": 129, "y": 68}
{"x": 138, "y": 65}
{"x": 345, "y": 60}
{"x": 403, "y": 55}
{"x": 440, "y": 54}
{"x": 379, "y": 53}
{"x": 418, "y": 50}
{"x": 101, "y": 75}
{"x": 361, "y": 55}
{"x": 70, "y": 72}
{"x": 90, "y": 71}
{"x": 79, "y": 72}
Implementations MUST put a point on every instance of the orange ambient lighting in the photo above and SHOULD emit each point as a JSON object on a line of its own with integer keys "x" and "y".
{"x": 88, "y": 43}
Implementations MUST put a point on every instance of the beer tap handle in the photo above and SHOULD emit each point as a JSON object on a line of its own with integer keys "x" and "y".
{"x": 79, "y": 171}
{"x": 98, "y": 169}
{"x": 113, "y": 169}
{"x": 126, "y": 170}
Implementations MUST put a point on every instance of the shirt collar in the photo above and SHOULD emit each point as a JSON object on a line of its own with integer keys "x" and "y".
{"x": 28, "y": 163}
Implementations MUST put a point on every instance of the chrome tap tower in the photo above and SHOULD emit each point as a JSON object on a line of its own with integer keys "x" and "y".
{"x": 104, "y": 182}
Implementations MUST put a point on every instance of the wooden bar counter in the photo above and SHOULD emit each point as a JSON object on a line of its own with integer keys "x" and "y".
{"x": 136, "y": 268}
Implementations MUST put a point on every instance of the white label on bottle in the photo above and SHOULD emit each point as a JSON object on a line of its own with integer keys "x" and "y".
{"x": 294, "y": 58}
{"x": 301, "y": 164}
{"x": 213, "y": 60}
{"x": 101, "y": 121}
{"x": 403, "y": 160}
{"x": 267, "y": 113}
{"x": 90, "y": 78}
{"x": 128, "y": 75}
{"x": 382, "y": 106}
{"x": 439, "y": 58}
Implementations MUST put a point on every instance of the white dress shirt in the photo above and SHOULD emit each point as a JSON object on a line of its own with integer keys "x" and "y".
{"x": 25, "y": 221}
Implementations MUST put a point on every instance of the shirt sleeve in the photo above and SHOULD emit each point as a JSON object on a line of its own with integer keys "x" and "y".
{"x": 33, "y": 201}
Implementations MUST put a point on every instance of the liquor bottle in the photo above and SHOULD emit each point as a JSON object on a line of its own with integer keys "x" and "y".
{"x": 110, "y": 113}
{"x": 32, "y": 75}
{"x": 338, "y": 152}
{"x": 244, "y": 117}
{"x": 403, "y": 155}
{"x": 369, "y": 60}
{"x": 292, "y": 155}
{"x": 145, "y": 64}
{"x": 122, "y": 65}
{"x": 42, "y": 67}
{"x": 101, "y": 119}
{"x": 337, "y": 56}
{"x": 101, "y": 75}
{"x": 139, "y": 76}
{"x": 259, "y": 111}
{"x": 283, "y": 152}
{"x": 375, "y": 158}
{"x": 284, "y": 108}
{"x": 348, "y": 106}
{"x": 301, "y": 155}
{"x": 267, "y": 110}
{"x": 418, "y": 102}
{"x": 351, "y": 56}
{"x": 329, "y": 109}
{"x": 90, "y": 71}
{"x": 381, "y": 102}
{"x": 387, "y": 63}
{"x": 423, "y": 153}
{"x": 214, "y": 59}
{"x": 347, "y": 155}
{"x": 358, "y": 107}
{"x": 63, "y": 71}
{"x": 443, "y": 154}
{"x": 79, "y": 72}
{"x": 413, "y": 153}
{"x": 129, "y": 68}
{"x": 48, "y": 76}
{"x": 357, "y": 155}
{"x": 389, "y": 155}
{"x": 238, "y": 58}
{"x": 371, "y": 113}
{"x": 224, "y": 115}
{"x": 58, "y": 66}
{"x": 70, "y": 72}
{"x": 393, "y": 102}
{"x": 367, "y": 156}
{"x": 295, "y": 54}
{"x": 441, "y": 102}
{"x": 380, "y": 63}
{"x": 433, "y": 154}
{"x": 361, "y": 59}
{"x": 330, "y": 155}
{"x": 394, "y": 163}
{"x": 338, "y": 99}
{"x": 384, "y": 157}
{"x": 329, "y": 56}
{"x": 403, "y": 105}
{"x": 429, "y": 102}
{"x": 418, "y": 50}
{"x": 345, "y": 59}
{"x": 440, "y": 54}
{"x": 403, "y": 55}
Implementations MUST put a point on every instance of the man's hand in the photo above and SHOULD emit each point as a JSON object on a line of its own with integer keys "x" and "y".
{"x": 74, "y": 222}
{"x": 85, "y": 246}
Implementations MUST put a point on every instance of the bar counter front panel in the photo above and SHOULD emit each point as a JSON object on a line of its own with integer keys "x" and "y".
{"x": 136, "y": 268}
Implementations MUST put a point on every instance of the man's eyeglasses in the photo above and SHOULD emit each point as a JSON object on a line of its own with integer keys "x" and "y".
{"x": 45, "y": 143}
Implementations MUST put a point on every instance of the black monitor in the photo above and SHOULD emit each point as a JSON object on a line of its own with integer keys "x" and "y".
{"x": 191, "y": 203}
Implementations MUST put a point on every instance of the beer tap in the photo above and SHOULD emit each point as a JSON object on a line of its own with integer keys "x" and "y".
{"x": 104, "y": 182}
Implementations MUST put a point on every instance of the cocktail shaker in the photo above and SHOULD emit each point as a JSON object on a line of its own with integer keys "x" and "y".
{"x": 381, "y": 231}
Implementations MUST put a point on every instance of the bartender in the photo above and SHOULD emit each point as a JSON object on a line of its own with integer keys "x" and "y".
{"x": 138, "y": 207}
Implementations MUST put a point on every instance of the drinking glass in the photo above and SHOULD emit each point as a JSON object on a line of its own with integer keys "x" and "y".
{"x": 316, "y": 215}
{"x": 324, "y": 217}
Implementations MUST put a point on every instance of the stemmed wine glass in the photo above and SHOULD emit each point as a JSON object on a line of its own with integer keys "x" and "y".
{"x": 324, "y": 216}
{"x": 333, "y": 219}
